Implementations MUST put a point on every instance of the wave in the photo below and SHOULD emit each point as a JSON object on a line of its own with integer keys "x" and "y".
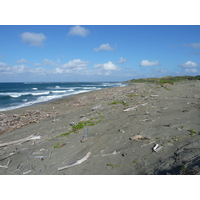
{"x": 14, "y": 100}
{"x": 40, "y": 93}
{"x": 59, "y": 91}
{"x": 14, "y": 94}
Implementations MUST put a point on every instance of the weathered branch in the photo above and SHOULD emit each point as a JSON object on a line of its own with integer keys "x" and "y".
{"x": 32, "y": 137}
{"x": 76, "y": 162}
{"x": 134, "y": 107}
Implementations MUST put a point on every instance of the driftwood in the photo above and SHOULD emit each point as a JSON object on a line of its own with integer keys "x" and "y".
{"x": 139, "y": 137}
{"x": 134, "y": 107}
{"x": 84, "y": 138}
{"x": 6, "y": 166}
{"x": 31, "y": 137}
{"x": 9, "y": 155}
{"x": 9, "y": 123}
{"x": 109, "y": 154}
{"x": 26, "y": 172}
{"x": 76, "y": 162}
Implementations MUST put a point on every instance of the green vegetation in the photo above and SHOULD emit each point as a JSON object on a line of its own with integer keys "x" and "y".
{"x": 111, "y": 165}
{"x": 133, "y": 95}
{"x": 64, "y": 134}
{"x": 175, "y": 139}
{"x": 78, "y": 126}
{"x": 58, "y": 144}
{"x": 164, "y": 80}
{"x": 117, "y": 102}
{"x": 192, "y": 132}
{"x": 81, "y": 125}
{"x": 185, "y": 170}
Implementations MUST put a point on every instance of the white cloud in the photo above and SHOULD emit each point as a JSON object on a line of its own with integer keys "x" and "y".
{"x": 192, "y": 70}
{"x": 78, "y": 30}
{"x": 72, "y": 66}
{"x": 33, "y": 39}
{"x": 4, "y": 69}
{"x": 16, "y": 69}
{"x": 2, "y": 65}
{"x": 109, "y": 66}
{"x": 19, "y": 69}
{"x": 21, "y": 61}
{"x": 104, "y": 47}
{"x": 146, "y": 63}
{"x": 48, "y": 62}
{"x": 189, "y": 64}
{"x": 122, "y": 60}
{"x": 37, "y": 64}
{"x": 195, "y": 45}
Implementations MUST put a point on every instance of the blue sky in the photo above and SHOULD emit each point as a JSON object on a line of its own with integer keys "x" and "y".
{"x": 97, "y": 52}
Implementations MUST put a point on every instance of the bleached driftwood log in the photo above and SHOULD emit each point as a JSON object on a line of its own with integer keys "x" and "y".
{"x": 76, "y": 162}
{"x": 109, "y": 154}
{"x": 31, "y": 137}
{"x": 9, "y": 155}
{"x": 134, "y": 107}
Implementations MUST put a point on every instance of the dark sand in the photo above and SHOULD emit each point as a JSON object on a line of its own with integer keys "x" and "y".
{"x": 162, "y": 115}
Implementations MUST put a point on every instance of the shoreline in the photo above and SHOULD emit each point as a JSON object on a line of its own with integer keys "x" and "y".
{"x": 119, "y": 126}
{"x": 57, "y": 98}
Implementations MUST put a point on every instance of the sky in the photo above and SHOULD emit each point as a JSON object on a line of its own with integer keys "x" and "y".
{"x": 51, "y": 53}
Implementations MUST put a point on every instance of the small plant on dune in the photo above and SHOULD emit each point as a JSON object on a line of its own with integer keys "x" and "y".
{"x": 78, "y": 126}
{"x": 81, "y": 125}
{"x": 64, "y": 134}
{"x": 118, "y": 102}
{"x": 133, "y": 95}
{"x": 192, "y": 132}
{"x": 58, "y": 144}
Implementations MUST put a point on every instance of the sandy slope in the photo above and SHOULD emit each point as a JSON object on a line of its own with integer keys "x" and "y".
{"x": 160, "y": 115}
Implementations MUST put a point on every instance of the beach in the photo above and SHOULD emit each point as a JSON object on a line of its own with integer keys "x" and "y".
{"x": 138, "y": 129}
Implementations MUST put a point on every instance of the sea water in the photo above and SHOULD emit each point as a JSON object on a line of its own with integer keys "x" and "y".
{"x": 17, "y": 95}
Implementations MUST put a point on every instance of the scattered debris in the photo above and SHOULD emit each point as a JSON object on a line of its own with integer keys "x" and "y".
{"x": 96, "y": 107}
{"x": 76, "y": 162}
{"x": 10, "y": 123}
{"x": 154, "y": 95}
{"x": 157, "y": 148}
{"x": 139, "y": 137}
{"x": 6, "y": 166}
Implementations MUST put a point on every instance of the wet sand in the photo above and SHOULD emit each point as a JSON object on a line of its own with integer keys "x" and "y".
{"x": 137, "y": 129}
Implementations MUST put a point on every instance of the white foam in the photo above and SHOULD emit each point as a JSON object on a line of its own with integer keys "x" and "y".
{"x": 14, "y": 94}
{"x": 40, "y": 93}
{"x": 59, "y": 91}
{"x": 89, "y": 88}
{"x": 34, "y": 88}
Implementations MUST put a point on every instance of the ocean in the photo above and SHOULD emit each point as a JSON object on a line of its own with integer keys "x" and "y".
{"x": 17, "y": 95}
